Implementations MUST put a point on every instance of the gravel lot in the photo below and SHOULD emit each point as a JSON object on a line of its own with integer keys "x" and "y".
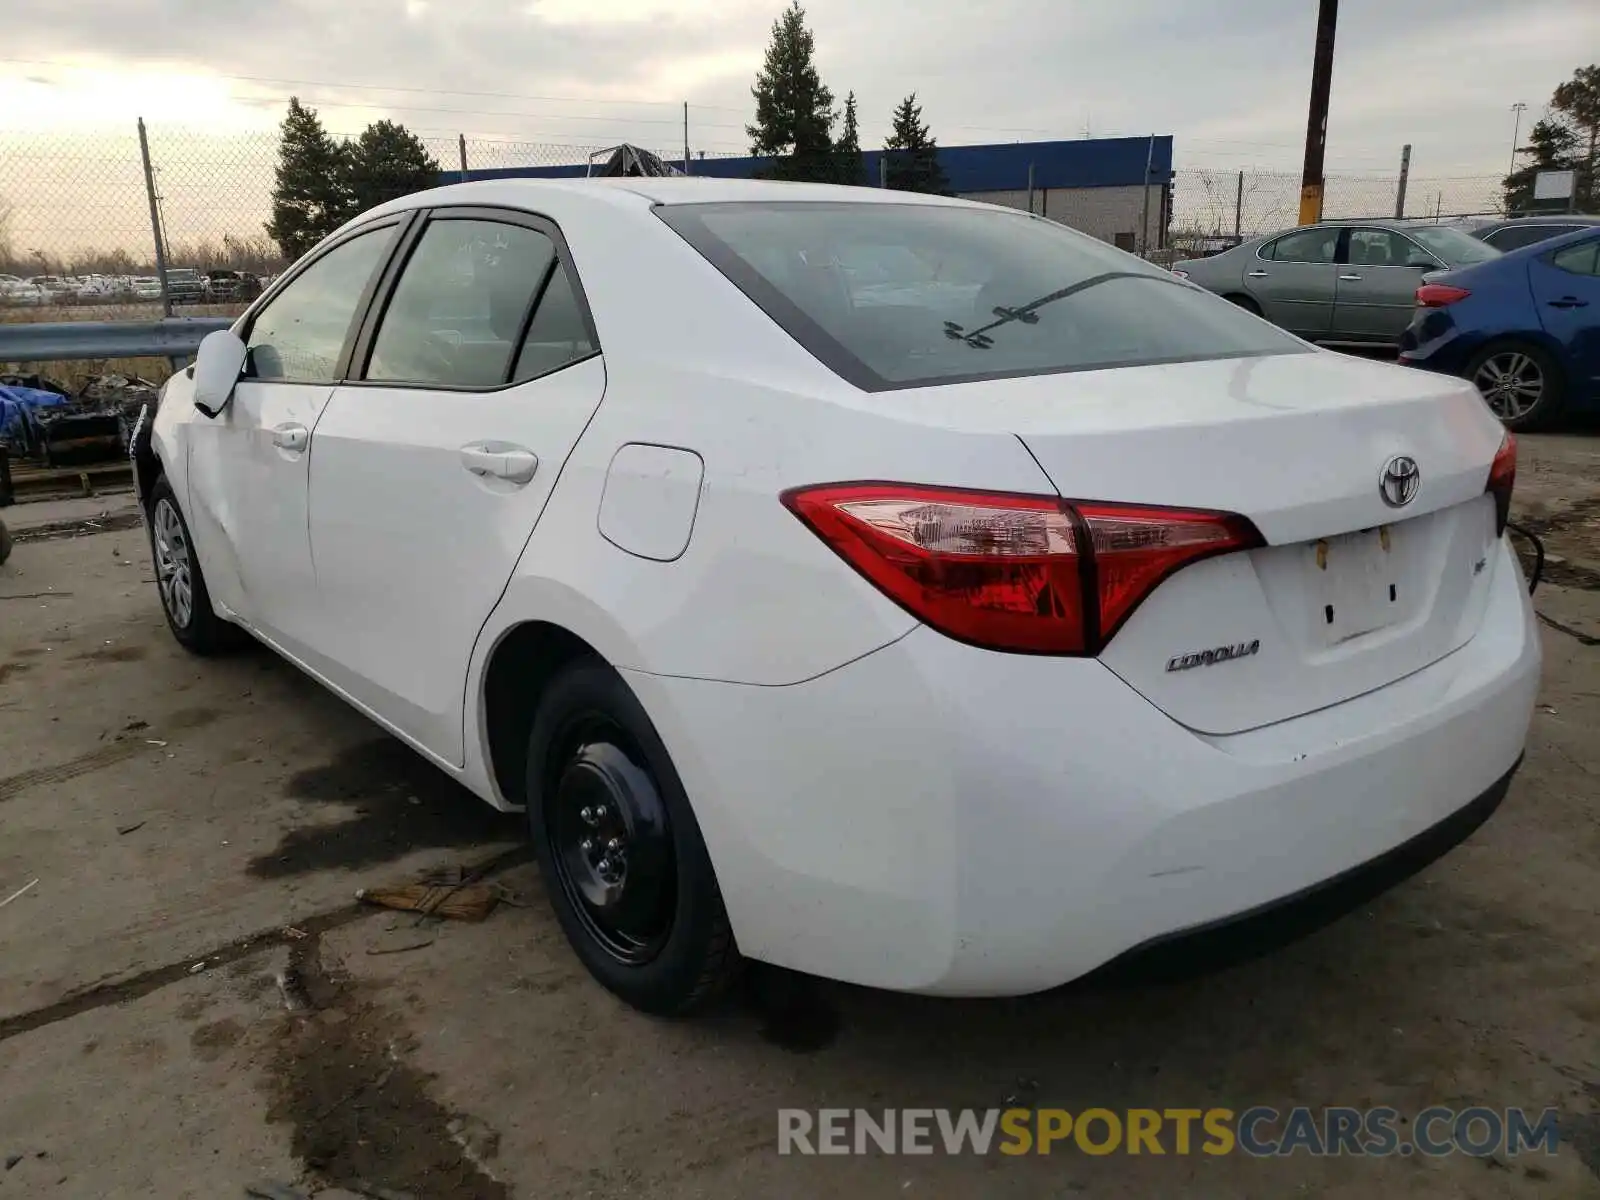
{"x": 191, "y": 1003}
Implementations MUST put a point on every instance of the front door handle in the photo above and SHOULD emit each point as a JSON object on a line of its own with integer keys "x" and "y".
{"x": 1255, "y": 275}
{"x": 292, "y": 437}
{"x": 500, "y": 460}
{"x": 1350, "y": 278}
{"x": 1569, "y": 302}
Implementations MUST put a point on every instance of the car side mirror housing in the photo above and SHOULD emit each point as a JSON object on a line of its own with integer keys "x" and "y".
{"x": 217, "y": 368}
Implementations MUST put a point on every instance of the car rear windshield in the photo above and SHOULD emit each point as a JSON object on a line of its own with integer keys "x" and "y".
{"x": 1456, "y": 248}
{"x": 909, "y": 295}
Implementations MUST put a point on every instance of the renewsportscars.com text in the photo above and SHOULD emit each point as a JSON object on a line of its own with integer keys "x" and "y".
{"x": 1258, "y": 1131}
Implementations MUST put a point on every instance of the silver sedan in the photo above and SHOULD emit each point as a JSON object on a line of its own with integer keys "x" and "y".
{"x": 1339, "y": 282}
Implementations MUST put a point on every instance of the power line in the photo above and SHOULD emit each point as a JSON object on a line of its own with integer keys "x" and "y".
{"x": 384, "y": 106}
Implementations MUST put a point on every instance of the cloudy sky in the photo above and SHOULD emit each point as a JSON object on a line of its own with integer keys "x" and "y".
{"x": 1229, "y": 78}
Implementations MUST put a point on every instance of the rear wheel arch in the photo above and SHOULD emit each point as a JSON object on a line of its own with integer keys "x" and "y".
{"x": 520, "y": 668}
{"x": 1244, "y": 300}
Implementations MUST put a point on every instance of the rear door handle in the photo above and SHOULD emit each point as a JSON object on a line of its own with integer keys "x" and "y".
{"x": 1569, "y": 302}
{"x": 1255, "y": 275}
{"x": 500, "y": 460}
{"x": 1351, "y": 278}
{"x": 291, "y": 436}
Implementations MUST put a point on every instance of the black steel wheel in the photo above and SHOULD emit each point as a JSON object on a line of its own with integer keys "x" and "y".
{"x": 621, "y": 852}
{"x": 612, "y": 840}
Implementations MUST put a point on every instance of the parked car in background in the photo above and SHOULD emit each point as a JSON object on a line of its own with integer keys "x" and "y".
{"x": 56, "y": 289}
{"x": 1524, "y": 328}
{"x": 1517, "y": 232}
{"x": 225, "y": 286}
{"x": 185, "y": 285}
{"x": 769, "y": 609}
{"x": 146, "y": 287}
{"x": 101, "y": 289}
{"x": 1339, "y": 282}
{"x": 21, "y": 292}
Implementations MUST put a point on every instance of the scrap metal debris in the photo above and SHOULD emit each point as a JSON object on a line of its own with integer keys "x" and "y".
{"x": 44, "y": 421}
{"x": 17, "y": 893}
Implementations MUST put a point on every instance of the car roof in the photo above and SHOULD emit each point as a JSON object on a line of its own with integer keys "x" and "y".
{"x": 704, "y": 190}
{"x": 644, "y": 191}
{"x": 1552, "y": 219}
{"x": 1382, "y": 222}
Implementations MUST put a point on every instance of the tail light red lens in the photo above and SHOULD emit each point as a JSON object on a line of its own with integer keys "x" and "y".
{"x": 1502, "y": 479}
{"x": 1033, "y": 574}
{"x": 1437, "y": 295}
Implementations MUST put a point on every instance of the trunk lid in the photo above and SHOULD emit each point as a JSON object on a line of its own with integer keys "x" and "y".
{"x": 1349, "y": 594}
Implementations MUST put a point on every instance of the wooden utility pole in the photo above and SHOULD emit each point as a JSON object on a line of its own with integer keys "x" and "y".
{"x": 1317, "y": 121}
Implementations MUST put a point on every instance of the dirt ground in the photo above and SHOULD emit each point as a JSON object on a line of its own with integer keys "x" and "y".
{"x": 191, "y": 1002}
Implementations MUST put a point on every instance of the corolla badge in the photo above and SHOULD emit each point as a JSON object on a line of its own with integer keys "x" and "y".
{"x": 1210, "y": 658}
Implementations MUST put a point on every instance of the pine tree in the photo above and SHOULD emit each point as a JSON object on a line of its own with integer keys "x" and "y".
{"x": 387, "y": 161}
{"x": 1552, "y": 146}
{"x": 310, "y": 198}
{"x": 1578, "y": 100}
{"x": 849, "y": 167}
{"x": 794, "y": 109}
{"x": 913, "y": 154}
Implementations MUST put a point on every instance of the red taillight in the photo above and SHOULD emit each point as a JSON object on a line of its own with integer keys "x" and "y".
{"x": 1026, "y": 573}
{"x": 1437, "y": 295}
{"x": 1502, "y": 478}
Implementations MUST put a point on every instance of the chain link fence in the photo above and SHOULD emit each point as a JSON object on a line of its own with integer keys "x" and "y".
{"x": 78, "y": 239}
{"x": 1214, "y": 204}
{"x": 77, "y": 235}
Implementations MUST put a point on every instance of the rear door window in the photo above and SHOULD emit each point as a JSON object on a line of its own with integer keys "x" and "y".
{"x": 1581, "y": 259}
{"x": 559, "y": 332}
{"x": 893, "y": 295}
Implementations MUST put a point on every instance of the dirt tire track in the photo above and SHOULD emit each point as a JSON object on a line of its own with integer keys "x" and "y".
{"x": 103, "y": 756}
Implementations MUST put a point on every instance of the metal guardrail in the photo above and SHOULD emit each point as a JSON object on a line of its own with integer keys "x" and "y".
{"x": 177, "y": 338}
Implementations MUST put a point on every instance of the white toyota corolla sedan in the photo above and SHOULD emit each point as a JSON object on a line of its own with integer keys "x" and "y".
{"x": 893, "y": 588}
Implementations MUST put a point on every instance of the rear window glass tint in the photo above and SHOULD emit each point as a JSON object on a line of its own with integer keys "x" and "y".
{"x": 905, "y": 295}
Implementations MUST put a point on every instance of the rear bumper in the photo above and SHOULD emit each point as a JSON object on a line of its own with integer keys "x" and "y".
{"x": 937, "y": 818}
{"x": 1281, "y": 921}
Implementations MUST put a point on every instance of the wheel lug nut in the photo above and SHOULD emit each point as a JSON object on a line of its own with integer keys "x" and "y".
{"x": 615, "y": 846}
{"x": 587, "y": 845}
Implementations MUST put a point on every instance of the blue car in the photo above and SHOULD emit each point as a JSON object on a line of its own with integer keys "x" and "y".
{"x": 1524, "y": 327}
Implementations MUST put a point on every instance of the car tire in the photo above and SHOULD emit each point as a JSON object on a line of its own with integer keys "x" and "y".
{"x": 185, "y": 602}
{"x": 5, "y": 543}
{"x": 620, "y": 850}
{"x": 1244, "y": 302}
{"x": 1501, "y": 372}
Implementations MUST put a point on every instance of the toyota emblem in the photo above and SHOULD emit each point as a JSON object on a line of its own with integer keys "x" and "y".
{"x": 1399, "y": 481}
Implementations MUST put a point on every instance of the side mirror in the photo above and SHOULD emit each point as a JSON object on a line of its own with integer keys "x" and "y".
{"x": 216, "y": 369}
